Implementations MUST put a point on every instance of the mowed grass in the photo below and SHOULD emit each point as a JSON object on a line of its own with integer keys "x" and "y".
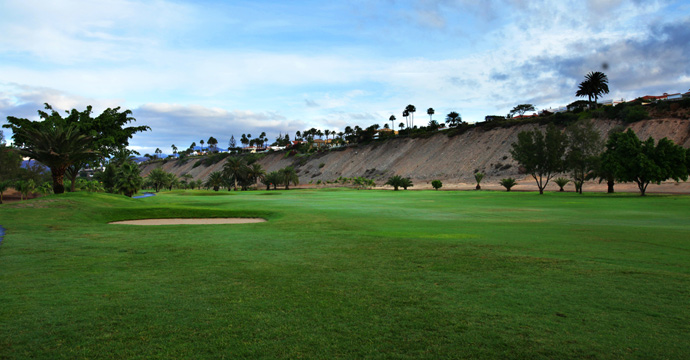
{"x": 348, "y": 274}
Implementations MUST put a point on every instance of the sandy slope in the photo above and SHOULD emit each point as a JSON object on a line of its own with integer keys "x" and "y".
{"x": 454, "y": 160}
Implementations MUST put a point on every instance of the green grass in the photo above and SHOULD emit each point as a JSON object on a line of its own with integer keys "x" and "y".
{"x": 348, "y": 274}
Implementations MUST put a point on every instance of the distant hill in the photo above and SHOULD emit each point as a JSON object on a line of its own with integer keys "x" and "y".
{"x": 452, "y": 159}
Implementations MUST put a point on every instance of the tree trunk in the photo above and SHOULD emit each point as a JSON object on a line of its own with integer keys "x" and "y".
{"x": 541, "y": 191}
{"x": 72, "y": 173}
{"x": 478, "y": 187}
{"x": 58, "y": 175}
{"x": 610, "y": 184}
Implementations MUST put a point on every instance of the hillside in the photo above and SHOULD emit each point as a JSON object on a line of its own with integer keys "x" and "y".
{"x": 453, "y": 160}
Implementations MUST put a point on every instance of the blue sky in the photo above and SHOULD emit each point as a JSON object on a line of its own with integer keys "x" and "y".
{"x": 195, "y": 69}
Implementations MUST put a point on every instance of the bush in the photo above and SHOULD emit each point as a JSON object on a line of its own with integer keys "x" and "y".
{"x": 437, "y": 184}
{"x": 633, "y": 114}
{"x": 561, "y": 182}
{"x": 508, "y": 183}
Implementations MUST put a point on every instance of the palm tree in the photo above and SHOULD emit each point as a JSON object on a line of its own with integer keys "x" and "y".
{"x": 430, "y": 112}
{"x": 3, "y": 187}
{"x": 392, "y": 120}
{"x": 235, "y": 169}
{"x": 288, "y": 175}
{"x": 215, "y": 180}
{"x": 406, "y": 115}
{"x": 128, "y": 179}
{"x": 255, "y": 173}
{"x": 411, "y": 110}
{"x": 478, "y": 177}
{"x": 596, "y": 84}
{"x": 453, "y": 119}
{"x": 271, "y": 179}
{"x": 56, "y": 147}
{"x": 157, "y": 178}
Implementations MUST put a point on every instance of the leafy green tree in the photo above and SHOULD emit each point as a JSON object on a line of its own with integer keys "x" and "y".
{"x": 584, "y": 150}
{"x": 4, "y": 185}
{"x": 561, "y": 182}
{"x": 642, "y": 162}
{"x": 542, "y": 155}
{"x": 215, "y": 180}
{"x": 10, "y": 163}
{"x": 508, "y": 183}
{"x": 108, "y": 132}
{"x": 56, "y": 147}
{"x": 255, "y": 173}
{"x": 128, "y": 178}
{"x": 288, "y": 175}
{"x": 522, "y": 109}
{"x": 478, "y": 178}
{"x": 437, "y": 184}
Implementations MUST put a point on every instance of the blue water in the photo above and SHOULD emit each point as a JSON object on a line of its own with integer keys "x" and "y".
{"x": 2, "y": 233}
{"x": 148, "y": 194}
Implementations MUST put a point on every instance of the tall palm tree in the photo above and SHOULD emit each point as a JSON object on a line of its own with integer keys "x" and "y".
{"x": 453, "y": 118}
{"x": 255, "y": 173}
{"x": 406, "y": 115}
{"x": 411, "y": 109}
{"x": 596, "y": 84}
{"x": 430, "y": 112}
{"x": 56, "y": 147}
{"x": 392, "y": 120}
{"x": 235, "y": 169}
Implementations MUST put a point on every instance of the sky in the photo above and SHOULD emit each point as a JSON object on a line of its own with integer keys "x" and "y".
{"x": 195, "y": 69}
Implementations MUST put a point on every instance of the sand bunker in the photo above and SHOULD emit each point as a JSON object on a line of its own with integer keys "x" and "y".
{"x": 191, "y": 221}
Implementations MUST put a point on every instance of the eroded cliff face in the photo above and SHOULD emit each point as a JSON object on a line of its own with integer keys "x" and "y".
{"x": 450, "y": 159}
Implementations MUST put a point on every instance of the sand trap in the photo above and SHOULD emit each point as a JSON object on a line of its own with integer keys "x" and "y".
{"x": 191, "y": 221}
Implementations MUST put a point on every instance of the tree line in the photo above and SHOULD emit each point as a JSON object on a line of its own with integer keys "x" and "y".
{"x": 578, "y": 150}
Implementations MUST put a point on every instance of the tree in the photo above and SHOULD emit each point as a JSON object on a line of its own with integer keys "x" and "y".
{"x": 158, "y": 152}
{"x": 453, "y": 119}
{"x": 288, "y": 175}
{"x": 642, "y": 162}
{"x": 406, "y": 182}
{"x": 212, "y": 144}
{"x": 157, "y": 178}
{"x": 411, "y": 109}
{"x": 10, "y": 163}
{"x": 522, "y": 109}
{"x": 430, "y": 112}
{"x": 434, "y": 125}
{"x": 272, "y": 179}
{"x": 4, "y": 184}
{"x": 596, "y": 84}
{"x": 401, "y": 126}
{"x": 392, "y": 120}
{"x": 540, "y": 154}
{"x": 508, "y": 183}
{"x": 478, "y": 178}
{"x": 174, "y": 148}
{"x": 128, "y": 179}
{"x": 406, "y": 115}
{"x": 232, "y": 144}
{"x": 584, "y": 149}
{"x": 235, "y": 169}
{"x": 108, "y": 132}
{"x": 56, "y": 147}
{"x": 215, "y": 180}
{"x": 437, "y": 184}
{"x": 561, "y": 182}
{"x": 255, "y": 173}
{"x": 395, "y": 181}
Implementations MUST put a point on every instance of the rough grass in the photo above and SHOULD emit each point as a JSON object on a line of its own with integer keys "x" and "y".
{"x": 348, "y": 274}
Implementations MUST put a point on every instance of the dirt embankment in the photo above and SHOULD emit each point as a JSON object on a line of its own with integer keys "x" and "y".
{"x": 454, "y": 160}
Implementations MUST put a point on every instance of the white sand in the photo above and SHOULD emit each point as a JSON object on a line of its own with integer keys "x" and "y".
{"x": 190, "y": 221}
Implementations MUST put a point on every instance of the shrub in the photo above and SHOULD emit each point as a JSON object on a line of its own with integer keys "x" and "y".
{"x": 478, "y": 177}
{"x": 437, "y": 184}
{"x": 508, "y": 183}
{"x": 561, "y": 182}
